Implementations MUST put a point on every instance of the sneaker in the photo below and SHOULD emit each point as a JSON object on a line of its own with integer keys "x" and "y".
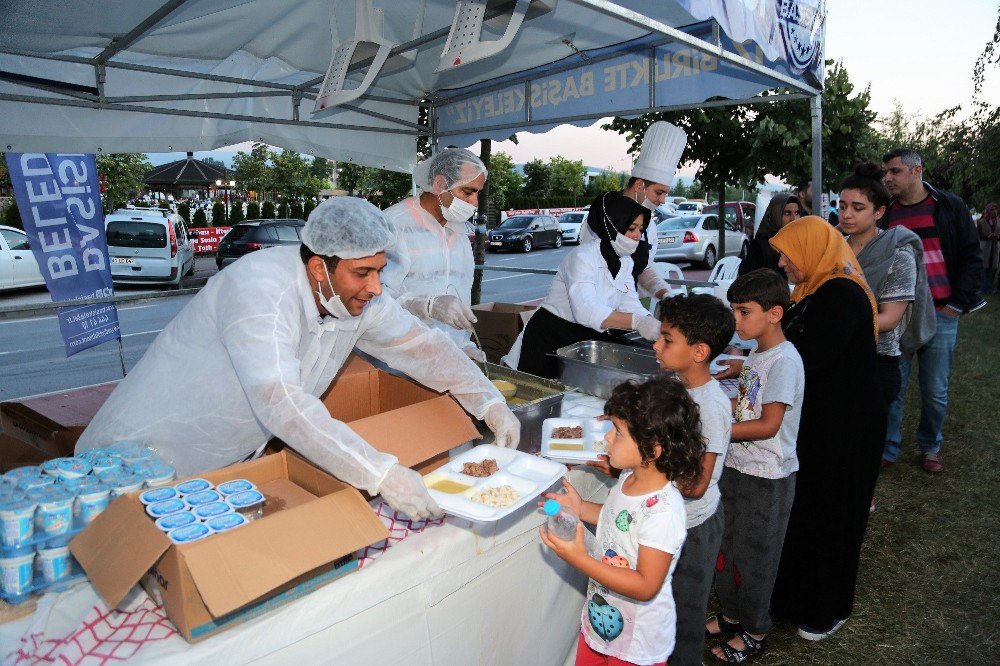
{"x": 932, "y": 463}
{"x": 811, "y": 634}
{"x": 886, "y": 464}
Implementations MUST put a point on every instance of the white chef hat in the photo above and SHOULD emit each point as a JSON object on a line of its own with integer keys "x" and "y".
{"x": 660, "y": 153}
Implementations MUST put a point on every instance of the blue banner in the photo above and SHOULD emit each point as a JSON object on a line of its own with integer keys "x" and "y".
{"x": 59, "y": 199}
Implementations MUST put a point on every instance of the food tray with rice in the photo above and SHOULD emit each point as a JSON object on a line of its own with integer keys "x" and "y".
{"x": 574, "y": 441}
{"x": 488, "y": 482}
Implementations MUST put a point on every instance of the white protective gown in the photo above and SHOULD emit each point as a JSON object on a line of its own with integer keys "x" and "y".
{"x": 248, "y": 358}
{"x": 428, "y": 260}
{"x": 649, "y": 280}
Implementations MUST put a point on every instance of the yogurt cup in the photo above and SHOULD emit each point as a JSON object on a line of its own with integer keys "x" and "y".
{"x": 16, "y": 574}
{"x": 192, "y": 486}
{"x": 235, "y": 486}
{"x": 91, "y": 501}
{"x": 211, "y": 510}
{"x": 159, "y": 475}
{"x": 189, "y": 533}
{"x": 17, "y": 522}
{"x": 55, "y": 512}
{"x": 202, "y": 497}
{"x": 106, "y": 463}
{"x": 172, "y": 521}
{"x": 166, "y": 507}
{"x": 226, "y": 521}
{"x": 39, "y": 480}
{"x": 51, "y": 467}
{"x": 131, "y": 451}
{"x": 126, "y": 484}
{"x": 158, "y": 495}
{"x": 249, "y": 503}
{"x": 15, "y": 475}
{"x": 73, "y": 485}
{"x": 55, "y": 563}
{"x": 73, "y": 468}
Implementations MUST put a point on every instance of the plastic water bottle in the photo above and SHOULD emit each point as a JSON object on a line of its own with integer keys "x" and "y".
{"x": 562, "y": 520}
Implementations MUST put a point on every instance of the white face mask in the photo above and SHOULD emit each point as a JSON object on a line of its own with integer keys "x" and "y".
{"x": 622, "y": 244}
{"x": 459, "y": 210}
{"x": 646, "y": 203}
{"x": 333, "y": 305}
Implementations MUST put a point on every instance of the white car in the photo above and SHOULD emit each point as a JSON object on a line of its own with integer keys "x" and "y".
{"x": 149, "y": 246}
{"x": 695, "y": 238}
{"x": 689, "y": 207}
{"x": 570, "y": 224}
{"x": 18, "y": 267}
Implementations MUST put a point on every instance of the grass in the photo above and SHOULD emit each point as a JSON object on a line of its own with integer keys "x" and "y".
{"x": 929, "y": 587}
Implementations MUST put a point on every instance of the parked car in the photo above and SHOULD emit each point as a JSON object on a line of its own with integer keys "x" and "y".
{"x": 525, "y": 232}
{"x": 18, "y": 267}
{"x": 570, "y": 224}
{"x": 740, "y": 214}
{"x": 149, "y": 246}
{"x": 253, "y": 235}
{"x": 688, "y": 207}
{"x": 695, "y": 238}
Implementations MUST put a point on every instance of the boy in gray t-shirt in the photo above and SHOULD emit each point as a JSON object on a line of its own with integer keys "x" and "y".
{"x": 693, "y": 331}
{"x": 758, "y": 483}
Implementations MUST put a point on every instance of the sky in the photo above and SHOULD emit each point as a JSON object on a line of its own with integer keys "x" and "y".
{"x": 919, "y": 52}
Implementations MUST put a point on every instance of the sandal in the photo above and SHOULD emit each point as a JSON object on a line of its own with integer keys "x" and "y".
{"x": 751, "y": 648}
{"x": 726, "y": 628}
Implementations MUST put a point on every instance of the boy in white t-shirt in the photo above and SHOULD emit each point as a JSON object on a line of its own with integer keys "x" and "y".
{"x": 758, "y": 482}
{"x": 693, "y": 331}
{"x": 656, "y": 438}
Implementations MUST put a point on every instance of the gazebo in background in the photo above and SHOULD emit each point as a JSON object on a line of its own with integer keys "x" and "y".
{"x": 188, "y": 178}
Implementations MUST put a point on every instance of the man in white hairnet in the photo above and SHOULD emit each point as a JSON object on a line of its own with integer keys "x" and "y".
{"x": 249, "y": 356}
{"x": 430, "y": 266}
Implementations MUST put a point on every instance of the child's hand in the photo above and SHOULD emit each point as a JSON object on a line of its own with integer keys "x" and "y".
{"x": 569, "y": 551}
{"x": 604, "y": 466}
{"x": 570, "y": 498}
{"x": 732, "y": 370}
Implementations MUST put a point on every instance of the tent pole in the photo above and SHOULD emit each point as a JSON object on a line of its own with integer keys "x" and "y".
{"x": 816, "y": 112}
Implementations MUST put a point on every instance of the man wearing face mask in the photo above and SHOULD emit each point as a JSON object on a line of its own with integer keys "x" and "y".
{"x": 248, "y": 358}
{"x": 593, "y": 294}
{"x": 430, "y": 266}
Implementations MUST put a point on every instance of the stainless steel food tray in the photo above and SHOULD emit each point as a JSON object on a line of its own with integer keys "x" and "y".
{"x": 544, "y": 400}
{"x": 597, "y": 367}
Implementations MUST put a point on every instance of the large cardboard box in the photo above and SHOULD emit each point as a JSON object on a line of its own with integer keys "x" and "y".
{"x": 498, "y": 326}
{"x": 17, "y": 453}
{"x": 312, "y": 526}
{"x": 52, "y": 422}
{"x": 398, "y": 416}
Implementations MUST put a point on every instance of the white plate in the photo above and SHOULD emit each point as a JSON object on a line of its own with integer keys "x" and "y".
{"x": 528, "y": 475}
{"x": 593, "y": 430}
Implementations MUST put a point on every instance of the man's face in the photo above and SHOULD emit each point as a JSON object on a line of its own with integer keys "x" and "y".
{"x": 468, "y": 192}
{"x": 355, "y": 281}
{"x": 657, "y": 193}
{"x": 900, "y": 179}
{"x": 806, "y": 195}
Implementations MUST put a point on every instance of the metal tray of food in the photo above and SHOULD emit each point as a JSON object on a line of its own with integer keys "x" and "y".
{"x": 536, "y": 399}
{"x": 597, "y": 367}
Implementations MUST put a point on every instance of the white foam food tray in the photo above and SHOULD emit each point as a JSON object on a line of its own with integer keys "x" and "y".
{"x": 717, "y": 364}
{"x": 528, "y": 475}
{"x": 589, "y": 447}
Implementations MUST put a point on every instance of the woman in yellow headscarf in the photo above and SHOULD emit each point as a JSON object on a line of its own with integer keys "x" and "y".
{"x": 832, "y": 324}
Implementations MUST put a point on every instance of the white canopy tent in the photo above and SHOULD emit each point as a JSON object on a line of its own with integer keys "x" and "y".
{"x": 171, "y": 75}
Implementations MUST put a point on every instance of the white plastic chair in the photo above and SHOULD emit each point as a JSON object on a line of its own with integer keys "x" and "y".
{"x": 667, "y": 271}
{"x": 728, "y": 269}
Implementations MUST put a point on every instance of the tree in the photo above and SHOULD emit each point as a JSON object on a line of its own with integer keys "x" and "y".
{"x": 253, "y": 211}
{"x": 123, "y": 176}
{"x": 267, "y": 210}
{"x": 607, "y": 181}
{"x": 566, "y": 177}
{"x": 218, "y": 214}
{"x": 251, "y": 171}
{"x": 214, "y": 162}
{"x": 185, "y": 212}
{"x": 200, "y": 219}
{"x": 283, "y": 209}
{"x": 505, "y": 181}
{"x": 350, "y": 176}
{"x": 290, "y": 175}
{"x": 295, "y": 210}
{"x": 989, "y": 56}
{"x": 12, "y": 216}
{"x": 307, "y": 208}
{"x": 536, "y": 179}
{"x": 235, "y": 212}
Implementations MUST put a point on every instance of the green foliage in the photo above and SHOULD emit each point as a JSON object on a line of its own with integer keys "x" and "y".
{"x": 608, "y": 181}
{"x": 235, "y": 212}
{"x": 536, "y": 179}
{"x": 307, "y": 208}
{"x": 218, "y": 214}
{"x": 164, "y": 204}
{"x": 200, "y": 219}
{"x": 505, "y": 181}
{"x": 989, "y": 57}
{"x": 251, "y": 171}
{"x": 566, "y": 177}
{"x": 214, "y": 162}
{"x": 123, "y": 175}
{"x": 12, "y": 216}
{"x": 295, "y": 210}
{"x": 184, "y": 211}
{"x": 253, "y": 211}
{"x": 283, "y": 209}
{"x": 267, "y": 210}
{"x": 380, "y": 186}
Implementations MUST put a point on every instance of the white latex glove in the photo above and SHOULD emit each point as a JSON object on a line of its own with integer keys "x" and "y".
{"x": 505, "y": 426}
{"x": 475, "y": 353}
{"x": 404, "y": 490}
{"x": 647, "y": 326}
{"x": 450, "y": 310}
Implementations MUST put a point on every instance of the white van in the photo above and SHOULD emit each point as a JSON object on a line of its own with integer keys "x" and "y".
{"x": 149, "y": 246}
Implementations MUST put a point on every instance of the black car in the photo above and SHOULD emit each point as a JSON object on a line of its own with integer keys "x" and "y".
{"x": 525, "y": 232}
{"x": 254, "y": 235}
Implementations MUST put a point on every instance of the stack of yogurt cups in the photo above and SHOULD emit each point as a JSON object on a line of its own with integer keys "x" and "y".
{"x": 42, "y": 507}
{"x": 196, "y": 509}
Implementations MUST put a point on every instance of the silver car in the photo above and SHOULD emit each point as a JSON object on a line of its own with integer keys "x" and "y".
{"x": 149, "y": 246}
{"x": 570, "y": 224}
{"x": 695, "y": 238}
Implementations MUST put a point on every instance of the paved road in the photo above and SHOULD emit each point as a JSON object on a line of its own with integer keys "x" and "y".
{"x": 33, "y": 359}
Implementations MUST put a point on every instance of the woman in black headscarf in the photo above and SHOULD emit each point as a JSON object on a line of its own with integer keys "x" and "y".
{"x": 782, "y": 209}
{"x": 593, "y": 295}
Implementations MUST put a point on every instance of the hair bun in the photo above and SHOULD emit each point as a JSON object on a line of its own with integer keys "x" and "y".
{"x": 869, "y": 170}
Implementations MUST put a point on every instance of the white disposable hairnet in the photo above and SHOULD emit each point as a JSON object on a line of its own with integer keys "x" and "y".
{"x": 347, "y": 227}
{"x": 457, "y": 166}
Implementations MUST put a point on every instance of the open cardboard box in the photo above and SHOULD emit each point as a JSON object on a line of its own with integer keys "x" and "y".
{"x": 312, "y": 526}
{"x": 398, "y": 416}
{"x": 52, "y": 422}
{"x": 498, "y": 325}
